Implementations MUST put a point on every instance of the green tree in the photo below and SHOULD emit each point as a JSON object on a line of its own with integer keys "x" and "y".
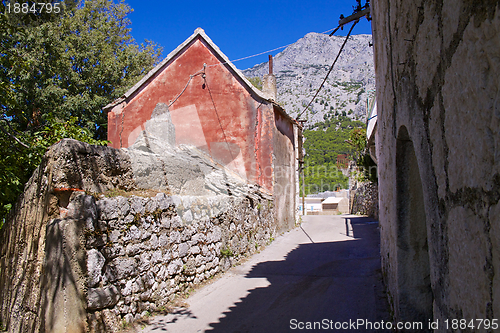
{"x": 256, "y": 82}
{"x": 325, "y": 177}
{"x": 57, "y": 72}
{"x": 367, "y": 168}
{"x": 323, "y": 143}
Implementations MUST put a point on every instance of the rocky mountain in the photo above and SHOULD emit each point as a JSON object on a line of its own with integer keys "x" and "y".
{"x": 302, "y": 66}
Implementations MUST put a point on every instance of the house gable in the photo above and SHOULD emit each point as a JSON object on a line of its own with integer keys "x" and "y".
{"x": 212, "y": 106}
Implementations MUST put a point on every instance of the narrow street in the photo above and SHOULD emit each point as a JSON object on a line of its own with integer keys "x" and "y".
{"x": 326, "y": 271}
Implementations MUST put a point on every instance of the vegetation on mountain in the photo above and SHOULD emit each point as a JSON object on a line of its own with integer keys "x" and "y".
{"x": 302, "y": 66}
{"x": 256, "y": 82}
{"x": 323, "y": 142}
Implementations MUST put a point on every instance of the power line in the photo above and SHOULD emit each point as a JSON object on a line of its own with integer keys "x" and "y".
{"x": 331, "y": 68}
{"x": 261, "y": 53}
{"x": 202, "y": 72}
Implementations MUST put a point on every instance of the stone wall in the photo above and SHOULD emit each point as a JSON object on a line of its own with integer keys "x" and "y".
{"x": 364, "y": 199}
{"x": 437, "y": 70}
{"x": 88, "y": 248}
{"x": 143, "y": 251}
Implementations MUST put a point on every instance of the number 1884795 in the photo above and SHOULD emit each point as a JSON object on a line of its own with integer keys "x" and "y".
{"x": 34, "y": 8}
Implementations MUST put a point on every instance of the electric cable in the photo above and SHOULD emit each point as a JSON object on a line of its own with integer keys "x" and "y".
{"x": 218, "y": 119}
{"x": 232, "y": 61}
{"x": 202, "y": 72}
{"x": 261, "y": 53}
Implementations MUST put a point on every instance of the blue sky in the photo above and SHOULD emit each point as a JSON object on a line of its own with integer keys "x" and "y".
{"x": 239, "y": 28}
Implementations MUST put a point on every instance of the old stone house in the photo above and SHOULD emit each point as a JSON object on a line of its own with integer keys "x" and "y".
{"x": 438, "y": 150}
{"x": 215, "y": 108}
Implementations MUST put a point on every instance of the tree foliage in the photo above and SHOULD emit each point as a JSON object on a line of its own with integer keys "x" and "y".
{"x": 325, "y": 177}
{"x": 57, "y": 72}
{"x": 324, "y": 141}
{"x": 327, "y": 139}
{"x": 367, "y": 169}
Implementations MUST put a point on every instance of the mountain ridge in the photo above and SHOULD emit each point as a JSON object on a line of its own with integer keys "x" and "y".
{"x": 302, "y": 66}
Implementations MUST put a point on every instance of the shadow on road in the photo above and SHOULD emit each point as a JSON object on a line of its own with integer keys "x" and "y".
{"x": 179, "y": 313}
{"x": 323, "y": 284}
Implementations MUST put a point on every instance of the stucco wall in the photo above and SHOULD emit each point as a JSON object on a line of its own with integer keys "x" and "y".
{"x": 216, "y": 112}
{"x": 438, "y": 71}
{"x": 284, "y": 193}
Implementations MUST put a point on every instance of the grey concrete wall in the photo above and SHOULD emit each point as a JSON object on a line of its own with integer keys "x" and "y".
{"x": 438, "y": 72}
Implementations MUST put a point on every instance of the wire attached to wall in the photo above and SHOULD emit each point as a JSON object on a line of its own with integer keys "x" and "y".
{"x": 201, "y": 72}
{"x": 205, "y": 84}
{"x": 330, "y": 70}
{"x": 218, "y": 119}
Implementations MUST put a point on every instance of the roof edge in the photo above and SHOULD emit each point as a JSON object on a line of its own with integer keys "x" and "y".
{"x": 198, "y": 32}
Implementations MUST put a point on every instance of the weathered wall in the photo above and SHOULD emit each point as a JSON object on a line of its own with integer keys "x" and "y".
{"x": 32, "y": 284}
{"x": 364, "y": 199}
{"x": 142, "y": 251}
{"x": 284, "y": 154}
{"x": 214, "y": 108}
{"x": 215, "y": 113}
{"x": 438, "y": 71}
{"x": 82, "y": 253}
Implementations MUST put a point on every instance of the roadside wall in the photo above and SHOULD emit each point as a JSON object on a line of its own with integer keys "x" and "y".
{"x": 285, "y": 172}
{"x": 437, "y": 69}
{"x": 364, "y": 199}
{"x": 141, "y": 252}
{"x": 88, "y": 249}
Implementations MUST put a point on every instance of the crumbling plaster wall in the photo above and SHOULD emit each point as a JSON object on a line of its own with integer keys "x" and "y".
{"x": 74, "y": 259}
{"x": 284, "y": 172}
{"x": 438, "y": 71}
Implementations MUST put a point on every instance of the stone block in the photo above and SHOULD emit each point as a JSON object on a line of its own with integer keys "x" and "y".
{"x": 100, "y": 298}
{"x": 107, "y": 209}
{"x": 195, "y": 250}
{"x": 175, "y": 267}
{"x": 190, "y": 267}
{"x": 137, "y": 205}
{"x": 95, "y": 263}
{"x": 121, "y": 268}
{"x": 175, "y": 237}
{"x": 183, "y": 250}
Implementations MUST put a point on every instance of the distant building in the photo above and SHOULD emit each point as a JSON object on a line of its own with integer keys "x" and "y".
{"x": 313, "y": 204}
{"x": 342, "y": 161}
{"x": 335, "y": 205}
{"x": 319, "y": 205}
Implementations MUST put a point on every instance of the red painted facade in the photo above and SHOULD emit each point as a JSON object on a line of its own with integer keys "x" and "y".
{"x": 217, "y": 111}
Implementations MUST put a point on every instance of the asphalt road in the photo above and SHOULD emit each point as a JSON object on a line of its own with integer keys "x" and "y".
{"x": 323, "y": 276}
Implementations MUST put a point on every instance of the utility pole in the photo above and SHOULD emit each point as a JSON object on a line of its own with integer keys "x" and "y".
{"x": 302, "y": 167}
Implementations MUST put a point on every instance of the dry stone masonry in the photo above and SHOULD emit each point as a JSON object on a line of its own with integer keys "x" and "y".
{"x": 141, "y": 252}
{"x": 364, "y": 198}
{"x": 89, "y": 248}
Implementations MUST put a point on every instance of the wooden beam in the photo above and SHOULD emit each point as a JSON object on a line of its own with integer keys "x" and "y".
{"x": 353, "y": 17}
